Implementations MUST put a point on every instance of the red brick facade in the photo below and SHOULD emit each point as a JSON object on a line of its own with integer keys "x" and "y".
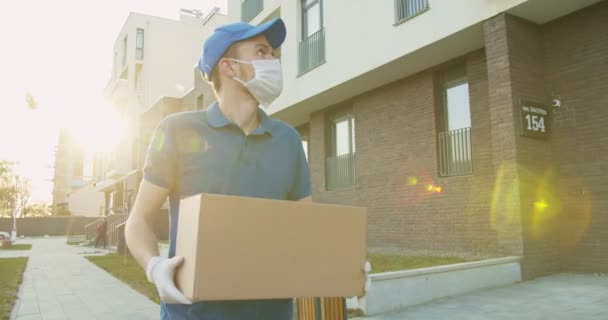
{"x": 495, "y": 211}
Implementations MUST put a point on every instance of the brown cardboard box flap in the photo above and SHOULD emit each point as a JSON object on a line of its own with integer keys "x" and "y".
{"x": 250, "y": 248}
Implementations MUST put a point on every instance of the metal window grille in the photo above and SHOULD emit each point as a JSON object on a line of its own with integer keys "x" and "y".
{"x": 405, "y": 9}
{"x": 312, "y": 51}
{"x": 455, "y": 155}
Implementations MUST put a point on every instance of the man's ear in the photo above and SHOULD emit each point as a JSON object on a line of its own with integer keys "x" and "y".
{"x": 227, "y": 67}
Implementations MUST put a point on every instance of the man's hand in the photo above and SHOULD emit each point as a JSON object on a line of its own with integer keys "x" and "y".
{"x": 367, "y": 268}
{"x": 160, "y": 271}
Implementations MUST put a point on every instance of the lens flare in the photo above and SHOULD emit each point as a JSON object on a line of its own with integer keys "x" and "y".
{"x": 540, "y": 206}
{"x": 504, "y": 214}
{"x": 412, "y": 181}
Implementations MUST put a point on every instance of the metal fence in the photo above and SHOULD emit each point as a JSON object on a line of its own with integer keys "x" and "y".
{"x": 250, "y": 9}
{"x": 312, "y": 51}
{"x": 405, "y": 9}
{"x": 340, "y": 171}
{"x": 455, "y": 156}
{"x": 327, "y": 308}
{"x": 111, "y": 231}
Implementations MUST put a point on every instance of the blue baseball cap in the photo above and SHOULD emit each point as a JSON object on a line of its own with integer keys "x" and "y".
{"x": 225, "y": 36}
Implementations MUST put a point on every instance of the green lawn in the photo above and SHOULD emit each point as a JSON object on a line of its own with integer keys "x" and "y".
{"x": 385, "y": 263}
{"x": 11, "y": 274}
{"x": 18, "y": 247}
{"x": 75, "y": 242}
{"x": 128, "y": 271}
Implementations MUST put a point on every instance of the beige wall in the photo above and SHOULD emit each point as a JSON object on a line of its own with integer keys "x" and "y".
{"x": 85, "y": 202}
{"x": 365, "y": 49}
{"x": 171, "y": 50}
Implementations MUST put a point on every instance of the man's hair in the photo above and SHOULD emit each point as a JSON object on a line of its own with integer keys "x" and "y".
{"x": 215, "y": 80}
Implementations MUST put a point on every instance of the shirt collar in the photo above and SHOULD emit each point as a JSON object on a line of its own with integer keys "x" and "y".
{"x": 216, "y": 119}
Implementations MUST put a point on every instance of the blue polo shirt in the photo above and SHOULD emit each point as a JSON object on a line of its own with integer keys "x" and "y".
{"x": 203, "y": 152}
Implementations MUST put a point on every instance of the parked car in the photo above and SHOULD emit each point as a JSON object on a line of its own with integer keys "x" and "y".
{"x": 5, "y": 239}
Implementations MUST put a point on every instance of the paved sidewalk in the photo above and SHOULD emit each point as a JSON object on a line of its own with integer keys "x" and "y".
{"x": 556, "y": 297}
{"x": 59, "y": 283}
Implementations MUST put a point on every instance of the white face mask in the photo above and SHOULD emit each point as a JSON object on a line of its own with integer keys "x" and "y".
{"x": 267, "y": 83}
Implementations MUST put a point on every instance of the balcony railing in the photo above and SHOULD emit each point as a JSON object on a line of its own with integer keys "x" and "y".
{"x": 312, "y": 51}
{"x": 455, "y": 156}
{"x": 407, "y": 9}
{"x": 340, "y": 171}
{"x": 250, "y": 9}
{"x": 112, "y": 233}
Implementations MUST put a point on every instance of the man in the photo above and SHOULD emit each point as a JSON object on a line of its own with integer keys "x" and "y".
{"x": 102, "y": 233}
{"x": 231, "y": 148}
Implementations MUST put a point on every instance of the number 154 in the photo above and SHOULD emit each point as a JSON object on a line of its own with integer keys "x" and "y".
{"x": 536, "y": 123}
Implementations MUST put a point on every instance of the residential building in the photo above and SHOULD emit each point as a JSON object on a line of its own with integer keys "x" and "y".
{"x": 68, "y": 168}
{"x": 153, "y": 59}
{"x": 467, "y": 128}
{"x": 74, "y": 171}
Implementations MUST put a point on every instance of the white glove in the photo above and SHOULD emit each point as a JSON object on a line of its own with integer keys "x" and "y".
{"x": 367, "y": 267}
{"x": 161, "y": 271}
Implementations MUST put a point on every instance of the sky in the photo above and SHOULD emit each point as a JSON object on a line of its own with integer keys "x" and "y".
{"x": 61, "y": 52}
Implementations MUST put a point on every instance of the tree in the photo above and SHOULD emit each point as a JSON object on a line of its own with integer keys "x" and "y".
{"x": 60, "y": 210}
{"x": 14, "y": 190}
{"x": 37, "y": 210}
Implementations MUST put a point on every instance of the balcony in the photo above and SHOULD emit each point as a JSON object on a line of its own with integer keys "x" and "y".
{"x": 340, "y": 171}
{"x": 455, "y": 156}
{"x": 250, "y": 9}
{"x": 312, "y": 52}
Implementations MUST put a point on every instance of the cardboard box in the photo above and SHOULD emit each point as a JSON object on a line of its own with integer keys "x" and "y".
{"x": 249, "y": 248}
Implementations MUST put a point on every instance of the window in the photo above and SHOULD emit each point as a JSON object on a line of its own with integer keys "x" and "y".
{"x": 250, "y": 9}
{"x": 312, "y": 20}
{"x": 139, "y": 44}
{"x": 115, "y": 64}
{"x": 199, "y": 102}
{"x": 124, "y": 51}
{"x": 312, "y": 46}
{"x": 455, "y": 139}
{"x": 340, "y": 165}
{"x": 343, "y": 133}
{"x": 305, "y": 147}
{"x": 407, "y": 9}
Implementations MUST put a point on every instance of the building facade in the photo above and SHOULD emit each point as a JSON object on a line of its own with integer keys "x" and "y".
{"x": 475, "y": 129}
{"x": 153, "y": 61}
{"x": 69, "y": 171}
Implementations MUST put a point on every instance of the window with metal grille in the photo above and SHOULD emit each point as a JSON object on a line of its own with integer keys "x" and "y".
{"x": 312, "y": 47}
{"x": 454, "y": 141}
{"x": 124, "y": 51}
{"x": 340, "y": 165}
{"x": 407, "y": 9}
{"x": 139, "y": 44}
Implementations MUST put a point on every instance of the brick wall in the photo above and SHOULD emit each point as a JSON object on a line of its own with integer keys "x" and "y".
{"x": 576, "y": 69}
{"x": 395, "y": 142}
{"x": 505, "y": 208}
{"x": 491, "y": 212}
{"x": 534, "y": 157}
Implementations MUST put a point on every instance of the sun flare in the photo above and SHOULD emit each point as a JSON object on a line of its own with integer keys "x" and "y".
{"x": 97, "y": 131}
